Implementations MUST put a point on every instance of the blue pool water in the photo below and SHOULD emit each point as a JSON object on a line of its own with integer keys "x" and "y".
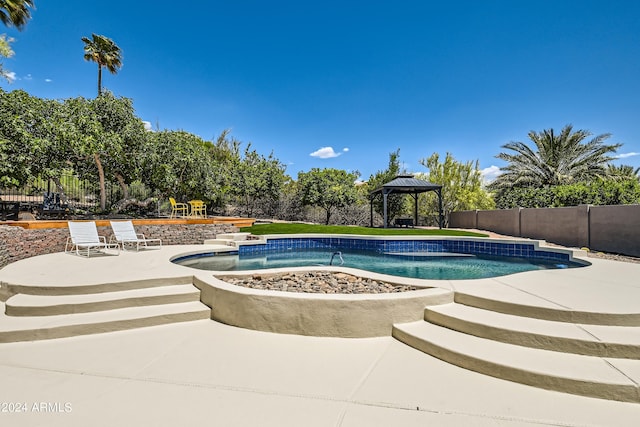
{"x": 449, "y": 266}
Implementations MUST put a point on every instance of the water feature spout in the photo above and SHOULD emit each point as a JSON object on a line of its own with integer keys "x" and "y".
{"x": 339, "y": 255}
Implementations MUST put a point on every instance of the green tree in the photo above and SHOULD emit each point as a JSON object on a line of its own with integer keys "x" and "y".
{"x": 328, "y": 189}
{"x": 5, "y": 52}
{"x": 15, "y": 12}
{"x": 84, "y": 134}
{"x": 396, "y": 203}
{"x": 105, "y": 140}
{"x": 103, "y": 51}
{"x": 225, "y": 153}
{"x": 178, "y": 164}
{"x": 20, "y": 116}
{"x": 290, "y": 207}
{"x": 555, "y": 159}
{"x": 461, "y": 186}
{"x": 257, "y": 181}
{"x": 125, "y": 139}
{"x": 36, "y": 139}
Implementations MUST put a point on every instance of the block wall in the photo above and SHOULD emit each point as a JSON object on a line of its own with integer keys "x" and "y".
{"x": 17, "y": 243}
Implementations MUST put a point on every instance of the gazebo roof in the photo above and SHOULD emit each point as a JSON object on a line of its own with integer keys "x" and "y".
{"x": 406, "y": 184}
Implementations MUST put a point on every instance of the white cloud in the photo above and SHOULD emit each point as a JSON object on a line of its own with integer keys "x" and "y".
{"x": 625, "y": 155}
{"x": 28, "y": 77}
{"x": 325, "y": 153}
{"x": 11, "y": 76}
{"x": 490, "y": 173}
{"x": 345, "y": 149}
{"x": 147, "y": 125}
{"x": 48, "y": 80}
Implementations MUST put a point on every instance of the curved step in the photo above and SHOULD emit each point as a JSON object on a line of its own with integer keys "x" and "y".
{"x": 46, "y": 305}
{"x": 547, "y": 313}
{"x": 94, "y": 288}
{"x": 601, "y": 341}
{"x": 569, "y": 373}
{"x": 16, "y": 329}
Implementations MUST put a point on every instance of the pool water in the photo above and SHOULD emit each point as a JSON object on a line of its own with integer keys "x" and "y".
{"x": 419, "y": 265}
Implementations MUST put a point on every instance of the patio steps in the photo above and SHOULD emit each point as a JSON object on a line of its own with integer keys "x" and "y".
{"x": 592, "y": 360}
{"x": 38, "y": 317}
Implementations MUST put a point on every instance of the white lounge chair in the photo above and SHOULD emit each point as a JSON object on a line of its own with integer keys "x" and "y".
{"x": 124, "y": 234}
{"x": 83, "y": 236}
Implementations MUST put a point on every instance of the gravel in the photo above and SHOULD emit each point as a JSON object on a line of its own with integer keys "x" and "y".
{"x": 321, "y": 282}
{"x": 613, "y": 257}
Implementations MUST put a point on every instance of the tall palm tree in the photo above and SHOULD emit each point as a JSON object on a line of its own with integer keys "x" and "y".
{"x": 15, "y": 12}
{"x": 555, "y": 159}
{"x": 103, "y": 51}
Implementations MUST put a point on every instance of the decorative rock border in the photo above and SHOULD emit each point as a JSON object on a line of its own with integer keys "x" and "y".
{"x": 317, "y": 282}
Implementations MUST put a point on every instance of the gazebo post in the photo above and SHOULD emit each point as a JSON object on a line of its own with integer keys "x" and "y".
{"x": 415, "y": 209}
{"x": 371, "y": 211}
{"x": 441, "y": 217}
{"x": 384, "y": 207}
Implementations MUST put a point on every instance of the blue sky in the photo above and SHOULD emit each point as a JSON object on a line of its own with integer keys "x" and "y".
{"x": 343, "y": 83}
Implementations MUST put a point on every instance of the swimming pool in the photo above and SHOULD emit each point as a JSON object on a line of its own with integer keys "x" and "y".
{"x": 442, "y": 259}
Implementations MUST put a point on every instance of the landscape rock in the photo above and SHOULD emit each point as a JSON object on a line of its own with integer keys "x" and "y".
{"x": 322, "y": 282}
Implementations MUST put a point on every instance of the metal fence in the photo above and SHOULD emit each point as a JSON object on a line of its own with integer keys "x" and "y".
{"x": 61, "y": 198}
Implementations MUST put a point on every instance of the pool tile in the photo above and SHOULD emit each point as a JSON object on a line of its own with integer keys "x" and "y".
{"x": 521, "y": 250}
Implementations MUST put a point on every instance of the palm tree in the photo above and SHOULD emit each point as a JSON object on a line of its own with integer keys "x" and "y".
{"x": 622, "y": 172}
{"x": 105, "y": 53}
{"x": 556, "y": 159}
{"x": 15, "y": 12}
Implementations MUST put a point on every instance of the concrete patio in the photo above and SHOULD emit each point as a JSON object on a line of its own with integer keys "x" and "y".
{"x": 202, "y": 371}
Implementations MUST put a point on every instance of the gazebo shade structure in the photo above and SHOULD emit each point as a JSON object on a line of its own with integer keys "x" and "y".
{"x": 406, "y": 184}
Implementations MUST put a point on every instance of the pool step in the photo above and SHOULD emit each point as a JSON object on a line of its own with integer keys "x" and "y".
{"x": 550, "y": 370}
{"x": 589, "y": 360}
{"x": 549, "y": 313}
{"x": 38, "y": 317}
{"x": 16, "y": 329}
{"x": 46, "y": 305}
{"x": 589, "y": 340}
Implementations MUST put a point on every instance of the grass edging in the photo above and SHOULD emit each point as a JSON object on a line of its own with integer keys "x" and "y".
{"x": 300, "y": 228}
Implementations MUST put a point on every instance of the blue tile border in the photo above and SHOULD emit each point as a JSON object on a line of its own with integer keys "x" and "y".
{"x": 473, "y": 247}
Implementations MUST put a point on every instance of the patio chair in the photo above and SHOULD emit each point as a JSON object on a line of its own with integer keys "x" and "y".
{"x": 178, "y": 208}
{"x": 125, "y": 234}
{"x": 198, "y": 208}
{"x": 83, "y": 235}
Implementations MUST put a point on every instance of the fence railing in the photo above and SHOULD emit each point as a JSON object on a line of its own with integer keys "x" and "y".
{"x": 65, "y": 196}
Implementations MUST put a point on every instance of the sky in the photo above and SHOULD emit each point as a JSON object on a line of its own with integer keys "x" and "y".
{"x": 341, "y": 84}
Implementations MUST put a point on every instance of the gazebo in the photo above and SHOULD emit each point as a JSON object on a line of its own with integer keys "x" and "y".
{"x": 406, "y": 184}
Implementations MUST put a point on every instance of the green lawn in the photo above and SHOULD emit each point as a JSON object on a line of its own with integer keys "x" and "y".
{"x": 297, "y": 228}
